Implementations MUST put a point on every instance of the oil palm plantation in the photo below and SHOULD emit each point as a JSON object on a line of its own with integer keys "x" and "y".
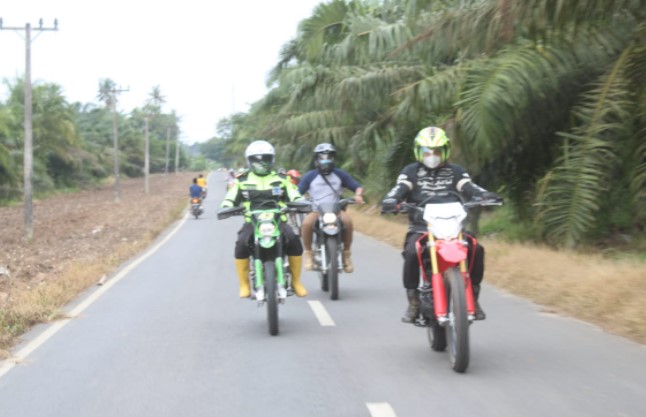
{"x": 543, "y": 98}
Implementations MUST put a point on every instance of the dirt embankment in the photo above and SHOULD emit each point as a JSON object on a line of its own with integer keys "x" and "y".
{"x": 77, "y": 238}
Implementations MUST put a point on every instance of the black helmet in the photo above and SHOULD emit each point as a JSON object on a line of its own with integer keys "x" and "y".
{"x": 324, "y": 155}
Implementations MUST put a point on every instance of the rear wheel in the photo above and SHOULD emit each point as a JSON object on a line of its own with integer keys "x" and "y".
{"x": 332, "y": 248}
{"x": 325, "y": 286}
{"x": 436, "y": 336}
{"x": 323, "y": 276}
{"x": 457, "y": 328}
{"x": 271, "y": 294}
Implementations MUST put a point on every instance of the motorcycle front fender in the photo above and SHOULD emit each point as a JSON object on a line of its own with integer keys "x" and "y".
{"x": 452, "y": 251}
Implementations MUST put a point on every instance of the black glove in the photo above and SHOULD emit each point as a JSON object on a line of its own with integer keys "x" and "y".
{"x": 488, "y": 197}
{"x": 389, "y": 205}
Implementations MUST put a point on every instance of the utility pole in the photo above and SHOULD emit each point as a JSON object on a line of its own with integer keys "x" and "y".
{"x": 146, "y": 153}
{"x": 176, "y": 153}
{"x": 167, "y": 148}
{"x": 115, "y": 139}
{"x": 28, "y": 160}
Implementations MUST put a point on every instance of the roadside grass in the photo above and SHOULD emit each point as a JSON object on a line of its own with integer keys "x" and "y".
{"x": 40, "y": 302}
{"x": 606, "y": 291}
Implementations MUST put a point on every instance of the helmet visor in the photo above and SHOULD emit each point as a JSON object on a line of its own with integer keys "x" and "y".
{"x": 427, "y": 151}
{"x": 266, "y": 158}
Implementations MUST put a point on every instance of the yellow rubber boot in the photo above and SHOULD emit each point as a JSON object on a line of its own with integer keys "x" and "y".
{"x": 295, "y": 263}
{"x": 242, "y": 265}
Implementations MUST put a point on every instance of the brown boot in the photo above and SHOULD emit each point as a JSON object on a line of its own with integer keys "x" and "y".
{"x": 308, "y": 259}
{"x": 480, "y": 314}
{"x": 413, "y": 306}
{"x": 347, "y": 262}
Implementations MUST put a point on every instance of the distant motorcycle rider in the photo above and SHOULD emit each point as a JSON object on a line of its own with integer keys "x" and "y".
{"x": 432, "y": 173}
{"x": 195, "y": 190}
{"x": 325, "y": 185}
{"x": 257, "y": 185}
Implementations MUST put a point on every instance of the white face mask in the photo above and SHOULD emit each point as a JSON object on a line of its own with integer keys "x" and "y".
{"x": 432, "y": 161}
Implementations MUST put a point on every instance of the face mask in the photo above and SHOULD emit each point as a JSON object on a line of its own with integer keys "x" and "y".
{"x": 432, "y": 161}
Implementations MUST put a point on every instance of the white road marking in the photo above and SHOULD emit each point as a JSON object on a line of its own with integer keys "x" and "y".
{"x": 321, "y": 313}
{"x": 76, "y": 311}
{"x": 381, "y": 410}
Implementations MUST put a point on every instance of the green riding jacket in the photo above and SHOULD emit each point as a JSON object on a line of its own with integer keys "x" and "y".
{"x": 249, "y": 190}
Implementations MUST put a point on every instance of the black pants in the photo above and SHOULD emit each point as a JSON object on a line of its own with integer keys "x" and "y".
{"x": 293, "y": 246}
{"x": 411, "y": 265}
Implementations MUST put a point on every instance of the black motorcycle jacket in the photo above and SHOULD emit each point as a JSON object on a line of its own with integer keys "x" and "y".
{"x": 416, "y": 182}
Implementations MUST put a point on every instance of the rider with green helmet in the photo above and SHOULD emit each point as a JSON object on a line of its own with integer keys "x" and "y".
{"x": 432, "y": 173}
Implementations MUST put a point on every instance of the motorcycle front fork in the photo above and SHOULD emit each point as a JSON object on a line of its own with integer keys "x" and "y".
{"x": 321, "y": 257}
{"x": 438, "y": 289}
{"x": 284, "y": 290}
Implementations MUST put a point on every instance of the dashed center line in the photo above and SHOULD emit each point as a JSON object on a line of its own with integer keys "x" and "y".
{"x": 321, "y": 313}
{"x": 381, "y": 410}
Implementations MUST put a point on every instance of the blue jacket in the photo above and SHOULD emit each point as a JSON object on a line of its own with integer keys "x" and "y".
{"x": 195, "y": 191}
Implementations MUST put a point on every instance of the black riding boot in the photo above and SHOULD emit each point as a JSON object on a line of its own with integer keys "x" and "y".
{"x": 413, "y": 306}
{"x": 480, "y": 314}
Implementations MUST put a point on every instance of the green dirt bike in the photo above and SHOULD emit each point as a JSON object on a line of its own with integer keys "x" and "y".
{"x": 269, "y": 273}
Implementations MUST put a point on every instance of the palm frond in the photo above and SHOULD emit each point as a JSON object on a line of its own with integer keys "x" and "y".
{"x": 570, "y": 195}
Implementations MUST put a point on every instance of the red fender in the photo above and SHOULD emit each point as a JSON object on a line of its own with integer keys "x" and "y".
{"x": 451, "y": 251}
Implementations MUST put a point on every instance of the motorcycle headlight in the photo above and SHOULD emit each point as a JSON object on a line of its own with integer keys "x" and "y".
{"x": 329, "y": 218}
{"x": 267, "y": 229}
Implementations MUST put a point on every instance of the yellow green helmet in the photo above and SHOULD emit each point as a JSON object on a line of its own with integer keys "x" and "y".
{"x": 432, "y": 138}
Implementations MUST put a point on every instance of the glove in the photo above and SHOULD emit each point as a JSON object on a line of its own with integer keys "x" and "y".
{"x": 389, "y": 205}
{"x": 488, "y": 197}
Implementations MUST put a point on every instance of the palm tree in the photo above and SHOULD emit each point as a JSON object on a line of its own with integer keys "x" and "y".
{"x": 511, "y": 80}
{"x": 108, "y": 94}
{"x": 152, "y": 108}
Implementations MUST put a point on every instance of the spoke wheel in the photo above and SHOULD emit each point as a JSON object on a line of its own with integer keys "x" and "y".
{"x": 271, "y": 294}
{"x": 457, "y": 328}
{"x": 332, "y": 248}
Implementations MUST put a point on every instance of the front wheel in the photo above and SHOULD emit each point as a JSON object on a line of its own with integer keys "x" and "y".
{"x": 271, "y": 295}
{"x": 332, "y": 248}
{"x": 457, "y": 328}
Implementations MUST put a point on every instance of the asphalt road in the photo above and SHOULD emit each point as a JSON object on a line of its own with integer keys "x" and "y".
{"x": 167, "y": 336}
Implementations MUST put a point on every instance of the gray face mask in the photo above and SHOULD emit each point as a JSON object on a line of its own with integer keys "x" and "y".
{"x": 432, "y": 161}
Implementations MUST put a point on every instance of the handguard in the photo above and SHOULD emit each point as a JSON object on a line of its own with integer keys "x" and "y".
{"x": 226, "y": 212}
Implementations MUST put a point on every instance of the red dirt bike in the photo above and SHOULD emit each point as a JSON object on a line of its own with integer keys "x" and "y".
{"x": 447, "y": 303}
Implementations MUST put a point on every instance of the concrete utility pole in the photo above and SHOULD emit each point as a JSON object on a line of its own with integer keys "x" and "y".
{"x": 176, "y": 154}
{"x": 28, "y": 161}
{"x": 115, "y": 139}
{"x": 146, "y": 154}
{"x": 167, "y": 149}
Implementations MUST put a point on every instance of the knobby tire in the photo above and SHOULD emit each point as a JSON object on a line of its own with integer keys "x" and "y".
{"x": 457, "y": 330}
{"x": 271, "y": 294}
{"x": 332, "y": 248}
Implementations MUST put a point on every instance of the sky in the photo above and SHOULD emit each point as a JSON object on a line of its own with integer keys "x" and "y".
{"x": 210, "y": 58}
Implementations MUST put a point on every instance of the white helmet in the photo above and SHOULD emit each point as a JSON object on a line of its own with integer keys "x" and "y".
{"x": 260, "y": 157}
